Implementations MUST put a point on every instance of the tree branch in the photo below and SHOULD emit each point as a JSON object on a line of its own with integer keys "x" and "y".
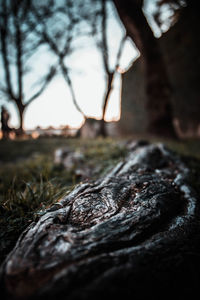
{"x": 104, "y": 37}
{"x": 19, "y": 51}
{"x": 120, "y": 51}
{"x": 69, "y": 82}
{"x": 4, "y": 50}
{"x": 47, "y": 80}
{"x": 60, "y": 54}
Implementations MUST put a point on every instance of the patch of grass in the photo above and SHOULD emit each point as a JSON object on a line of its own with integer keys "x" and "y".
{"x": 30, "y": 181}
{"x": 19, "y": 208}
{"x": 189, "y": 150}
{"x": 102, "y": 153}
{"x": 19, "y": 150}
{"x": 187, "y": 147}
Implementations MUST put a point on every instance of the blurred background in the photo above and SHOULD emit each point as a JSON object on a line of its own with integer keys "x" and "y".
{"x": 97, "y": 67}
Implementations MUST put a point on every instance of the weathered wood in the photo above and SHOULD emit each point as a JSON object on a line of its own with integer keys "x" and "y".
{"x": 131, "y": 233}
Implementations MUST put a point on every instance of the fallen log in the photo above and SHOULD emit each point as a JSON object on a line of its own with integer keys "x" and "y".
{"x": 133, "y": 233}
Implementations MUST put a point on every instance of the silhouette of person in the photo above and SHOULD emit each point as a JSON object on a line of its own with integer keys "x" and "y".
{"x": 5, "y": 116}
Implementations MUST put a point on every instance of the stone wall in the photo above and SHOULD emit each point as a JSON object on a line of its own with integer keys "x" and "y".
{"x": 91, "y": 128}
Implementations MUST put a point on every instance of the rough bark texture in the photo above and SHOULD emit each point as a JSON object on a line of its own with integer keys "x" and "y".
{"x": 133, "y": 233}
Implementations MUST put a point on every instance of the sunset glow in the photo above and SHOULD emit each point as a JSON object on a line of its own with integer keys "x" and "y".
{"x": 55, "y": 106}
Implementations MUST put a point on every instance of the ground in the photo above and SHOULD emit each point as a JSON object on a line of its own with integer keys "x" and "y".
{"x": 30, "y": 181}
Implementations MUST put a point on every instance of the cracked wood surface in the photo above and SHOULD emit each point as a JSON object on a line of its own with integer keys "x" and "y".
{"x": 123, "y": 234}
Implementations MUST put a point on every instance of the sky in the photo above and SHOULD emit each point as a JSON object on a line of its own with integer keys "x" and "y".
{"x": 55, "y": 107}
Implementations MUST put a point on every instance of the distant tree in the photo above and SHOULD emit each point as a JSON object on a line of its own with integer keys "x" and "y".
{"x": 18, "y": 44}
{"x": 158, "y": 89}
{"x": 62, "y": 23}
{"x": 103, "y": 46}
{"x": 58, "y": 28}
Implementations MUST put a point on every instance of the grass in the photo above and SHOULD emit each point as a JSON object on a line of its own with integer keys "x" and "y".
{"x": 30, "y": 181}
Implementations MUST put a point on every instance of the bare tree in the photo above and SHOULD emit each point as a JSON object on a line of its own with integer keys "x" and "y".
{"x": 58, "y": 29}
{"x": 18, "y": 44}
{"x": 110, "y": 72}
{"x": 158, "y": 89}
{"x": 60, "y": 35}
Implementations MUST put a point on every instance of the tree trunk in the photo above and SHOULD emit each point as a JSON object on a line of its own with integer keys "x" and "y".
{"x": 102, "y": 129}
{"x": 133, "y": 234}
{"x": 21, "y": 109}
{"x": 109, "y": 87}
{"x": 158, "y": 89}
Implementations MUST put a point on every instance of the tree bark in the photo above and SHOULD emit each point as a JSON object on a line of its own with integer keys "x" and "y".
{"x": 158, "y": 89}
{"x": 109, "y": 72}
{"x": 135, "y": 232}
